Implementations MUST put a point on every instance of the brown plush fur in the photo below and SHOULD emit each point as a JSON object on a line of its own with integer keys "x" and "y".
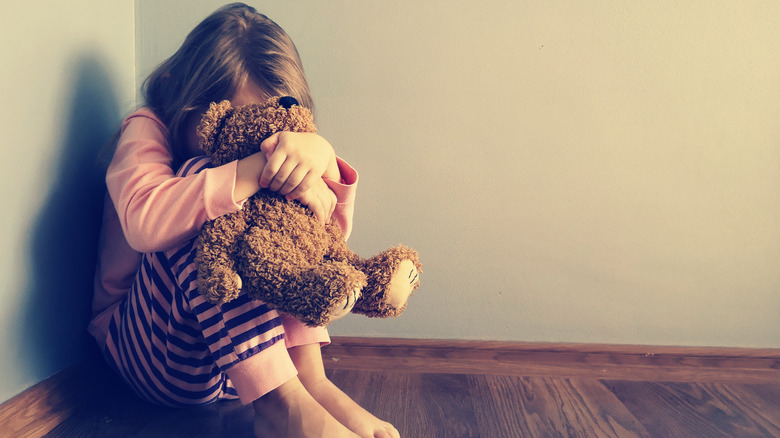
{"x": 277, "y": 248}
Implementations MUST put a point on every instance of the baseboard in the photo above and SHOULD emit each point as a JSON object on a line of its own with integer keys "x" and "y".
{"x": 601, "y": 361}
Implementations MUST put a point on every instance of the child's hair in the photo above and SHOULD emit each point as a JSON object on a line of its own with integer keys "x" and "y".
{"x": 231, "y": 46}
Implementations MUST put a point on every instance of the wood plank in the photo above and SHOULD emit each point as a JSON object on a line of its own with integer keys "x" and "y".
{"x": 676, "y": 409}
{"x": 418, "y": 405}
{"x": 509, "y": 406}
{"x": 618, "y": 362}
{"x": 38, "y": 410}
{"x": 762, "y": 402}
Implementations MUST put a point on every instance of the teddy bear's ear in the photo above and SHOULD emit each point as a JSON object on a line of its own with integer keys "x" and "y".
{"x": 288, "y": 101}
{"x": 211, "y": 124}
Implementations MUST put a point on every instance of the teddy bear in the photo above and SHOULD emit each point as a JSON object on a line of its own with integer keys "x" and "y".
{"x": 276, "y": 250}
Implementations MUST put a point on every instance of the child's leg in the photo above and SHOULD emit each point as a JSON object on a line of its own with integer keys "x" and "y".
{"x": 311, "y": 372}
{"x": 290, "y": 411}
{"x": 155, "y": 342}
{"x": 175, "y": 348}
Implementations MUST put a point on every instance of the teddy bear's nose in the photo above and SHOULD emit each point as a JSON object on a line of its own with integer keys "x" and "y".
{"x": 288, "y": 101}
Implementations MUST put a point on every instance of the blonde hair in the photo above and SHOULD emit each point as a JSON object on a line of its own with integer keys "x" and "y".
{"x": 231, "y": 46}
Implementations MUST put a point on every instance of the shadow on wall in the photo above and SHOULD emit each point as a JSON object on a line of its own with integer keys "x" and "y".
{"x": 64, "y": 238}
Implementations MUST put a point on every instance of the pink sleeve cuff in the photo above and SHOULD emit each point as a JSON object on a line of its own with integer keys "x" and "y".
{"x": 297, "y": 333}
{"x": 265, "y": 371}
{"x": 261, "y": 373}
{"x": 345, "y": 191}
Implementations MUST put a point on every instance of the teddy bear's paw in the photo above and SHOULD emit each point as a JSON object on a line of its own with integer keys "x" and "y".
{"x": 345, "y": 284}
{"x": 345, "y": 305}
{"x": 404, "y": 280}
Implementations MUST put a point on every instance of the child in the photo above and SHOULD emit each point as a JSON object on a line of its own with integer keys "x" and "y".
{"x": 170, "y": 345}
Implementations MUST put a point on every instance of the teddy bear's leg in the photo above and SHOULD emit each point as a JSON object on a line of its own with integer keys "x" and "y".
{"x": 275, "y": 271}
{"x": 338, "y": 250}
{"x": 392, "y": 277}
{"x": 218, "y": 280}
{"x": 338, "y": 287}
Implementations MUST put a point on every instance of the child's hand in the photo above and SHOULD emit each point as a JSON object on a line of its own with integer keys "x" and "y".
{"x": 319, "y": 198}
{"x": 296, "y": 161}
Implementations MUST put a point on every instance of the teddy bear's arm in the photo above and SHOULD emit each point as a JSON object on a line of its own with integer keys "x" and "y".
{"x": 218, "y": 280}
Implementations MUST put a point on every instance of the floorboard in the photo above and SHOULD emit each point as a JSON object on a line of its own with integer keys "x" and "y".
{"x": 424, "y": 405}
{"x": 674, "y": 409}
{"x": 533, "y": 406}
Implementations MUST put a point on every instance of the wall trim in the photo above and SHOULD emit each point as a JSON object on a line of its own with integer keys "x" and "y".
{"x": 565, "y": 360}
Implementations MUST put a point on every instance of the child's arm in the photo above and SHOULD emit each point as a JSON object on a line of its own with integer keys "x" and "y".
{"x": 158, "y": 210}
{"x": 248, "y": 176}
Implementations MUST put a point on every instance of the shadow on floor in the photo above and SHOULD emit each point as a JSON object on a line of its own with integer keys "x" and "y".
{"x": 111, "y": 410}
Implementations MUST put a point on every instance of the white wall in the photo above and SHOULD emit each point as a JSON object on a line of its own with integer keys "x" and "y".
{"x": 66, "y": 78}
{"x": 593, "y": 171}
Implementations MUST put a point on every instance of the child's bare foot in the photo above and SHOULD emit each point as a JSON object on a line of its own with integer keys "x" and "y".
{"x": 349, "y": 413}
{"x": 290, "y": 411}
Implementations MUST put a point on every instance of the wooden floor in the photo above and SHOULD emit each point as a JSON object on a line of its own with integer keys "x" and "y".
{"x": 469, "y": 390}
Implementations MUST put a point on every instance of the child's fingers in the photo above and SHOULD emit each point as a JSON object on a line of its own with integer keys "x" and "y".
{"x": 320, "y": 199}
{"x": 328, "y": 205}
{"x": 315, "y": 205}
{"x": 319, "y": 207}
{"x": 274, "y": 161}
{"x": 271, "y": 169}
{"x": 269, "y": 144}
{"x": 333, "y": 202}
{"x": 298, "y": 187}
{"x": 282, "y": 174}
{"x": 328, "y": 200}
{"x": 297, "y": 183}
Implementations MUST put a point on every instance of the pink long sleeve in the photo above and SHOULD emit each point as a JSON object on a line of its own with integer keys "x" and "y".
{"x": 157, "y": 210}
